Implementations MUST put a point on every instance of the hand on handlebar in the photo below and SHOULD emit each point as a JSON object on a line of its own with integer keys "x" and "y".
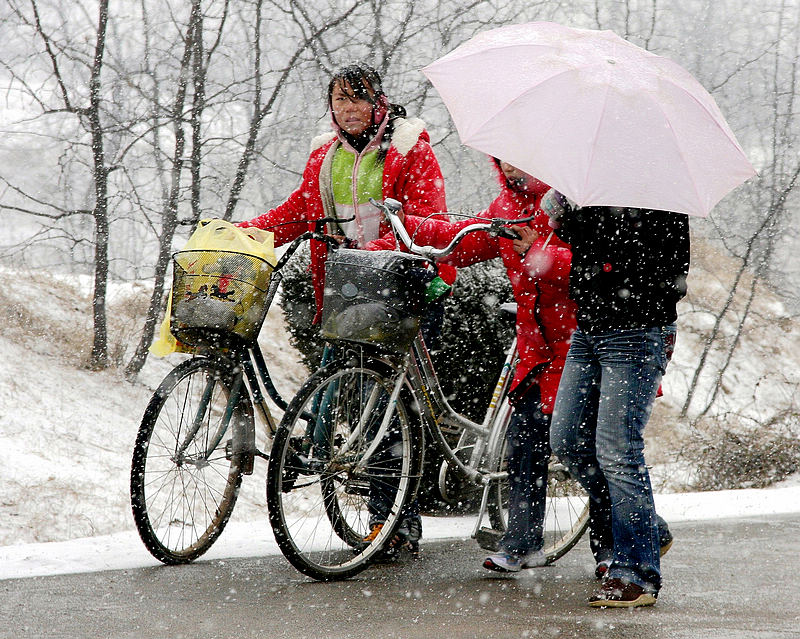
{"x": 526, "y": 237}
{"x": 345, "y": 242}
{"x": 392, "y": 209}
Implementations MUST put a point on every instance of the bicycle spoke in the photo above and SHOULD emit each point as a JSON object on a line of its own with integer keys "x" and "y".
{"x": 322, "y": 501}
{"x": 184, "y": 482}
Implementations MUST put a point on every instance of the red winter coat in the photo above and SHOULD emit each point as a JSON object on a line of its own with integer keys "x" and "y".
{"x": 411, "y": 174}
{"x": 540, "y": 281}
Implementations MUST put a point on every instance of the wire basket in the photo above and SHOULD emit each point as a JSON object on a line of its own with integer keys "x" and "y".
{"x": 219, "y": 298}
{"x": 373, "y": 297}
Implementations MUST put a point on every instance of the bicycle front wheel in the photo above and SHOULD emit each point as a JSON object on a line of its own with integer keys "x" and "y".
{"x": 566, "y": 511}
{"x": 187, "y": 461}
{"x": 346, "y": 458}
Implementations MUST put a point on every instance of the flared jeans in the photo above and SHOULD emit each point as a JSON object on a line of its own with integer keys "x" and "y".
{"x": 616, "y": 373}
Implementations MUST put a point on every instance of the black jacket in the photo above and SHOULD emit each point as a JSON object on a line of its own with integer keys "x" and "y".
{"x": 629, "y": 266}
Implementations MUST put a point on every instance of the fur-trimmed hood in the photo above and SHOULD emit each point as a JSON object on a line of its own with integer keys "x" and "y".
{"x": 411, "y": 175}
{"x": 407, "y": 132}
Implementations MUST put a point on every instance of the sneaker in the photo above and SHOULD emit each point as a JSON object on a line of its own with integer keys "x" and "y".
{"x": 616, "y": 593}
{"x": 509, "y": 562}
{"x": 601, "y": 569}
{"x": 410, "y": 529}
{"x": 407, "y": 536}
{"x": 664, "y": 535}
{"x": 666, "y": 542}
{"x": 535, "y": 559}
{"x": 503, "y": 562}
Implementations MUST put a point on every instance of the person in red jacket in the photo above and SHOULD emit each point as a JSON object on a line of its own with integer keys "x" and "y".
{"x": 374, "y": 150}
{"x": 538, "y": 265}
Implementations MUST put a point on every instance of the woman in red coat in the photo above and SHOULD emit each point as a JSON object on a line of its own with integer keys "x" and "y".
{"x": 374, "y": 150}
{"x": 538, "y": 266}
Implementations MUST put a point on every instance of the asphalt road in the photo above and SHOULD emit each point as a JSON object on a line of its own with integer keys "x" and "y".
{"x": 724, "y": 579}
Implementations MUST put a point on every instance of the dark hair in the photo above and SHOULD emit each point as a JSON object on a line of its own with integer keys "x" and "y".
{"x": 362, "y": 78}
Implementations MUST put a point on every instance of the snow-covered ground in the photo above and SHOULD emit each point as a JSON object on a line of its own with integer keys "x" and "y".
{"x": 66, "y": 436}
{"x": 67, "y": 433}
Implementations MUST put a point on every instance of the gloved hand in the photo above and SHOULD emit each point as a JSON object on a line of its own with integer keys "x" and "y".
{"x": 555, "y": 204}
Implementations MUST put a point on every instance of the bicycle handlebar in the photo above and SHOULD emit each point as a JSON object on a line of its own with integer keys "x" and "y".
{"x": 495, "y": 227}
{"x": 317, "y": 234}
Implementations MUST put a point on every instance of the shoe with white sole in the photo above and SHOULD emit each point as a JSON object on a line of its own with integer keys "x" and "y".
{"x": 509, "y": 562}
{"x": 618, "y": 593}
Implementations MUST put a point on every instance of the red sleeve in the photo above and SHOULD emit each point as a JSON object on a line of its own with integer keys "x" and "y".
{"x": 420, "y": 185}
{"x": 475, "y": 247}
{"x": 290, "y": 219}
{"x": 385, "y": 243}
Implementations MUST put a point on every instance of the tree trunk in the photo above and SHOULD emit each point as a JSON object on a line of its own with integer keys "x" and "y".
{"x": 170, "y": 212}
{"x": 99, "y": 356}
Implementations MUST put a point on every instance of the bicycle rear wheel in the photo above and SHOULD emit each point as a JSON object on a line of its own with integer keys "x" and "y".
{"x": 332, "y": 476}
{"x": 566, "y": 511}
{"x": 187, "y": 460}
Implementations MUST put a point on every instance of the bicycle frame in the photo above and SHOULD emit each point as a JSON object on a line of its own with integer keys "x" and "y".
{"x": 252, "y": 368}
{"x": 417, "y": 373}
{"x": 436, "y": 411}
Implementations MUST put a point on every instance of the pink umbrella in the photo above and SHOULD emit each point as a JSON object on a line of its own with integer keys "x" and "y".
{"x": 598, "y": 118}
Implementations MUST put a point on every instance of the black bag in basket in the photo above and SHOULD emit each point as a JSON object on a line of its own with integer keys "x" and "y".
{"x": 373, "y": 297}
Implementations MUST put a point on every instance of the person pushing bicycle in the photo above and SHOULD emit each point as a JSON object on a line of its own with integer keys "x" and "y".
{"x": 373, "y": 150}
{"x": 538, "y": 265}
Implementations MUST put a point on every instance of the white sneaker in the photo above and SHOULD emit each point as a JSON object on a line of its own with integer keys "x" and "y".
{"x": 535, "y": 559}
{"x": 507, "y": 562}
{"x": 503, "y": 562}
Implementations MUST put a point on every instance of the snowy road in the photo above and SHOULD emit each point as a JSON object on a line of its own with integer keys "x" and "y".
{"x": 726, "y": 578}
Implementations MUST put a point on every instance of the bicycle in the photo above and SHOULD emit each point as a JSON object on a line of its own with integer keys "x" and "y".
{"x": 197, "y": 438}
{"x": 359, "y": 426}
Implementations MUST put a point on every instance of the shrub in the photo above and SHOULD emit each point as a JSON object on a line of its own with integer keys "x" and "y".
{"x": 725, "y": 458}
{"x": 297, "y": 304}
{"x": 474, "y": 337}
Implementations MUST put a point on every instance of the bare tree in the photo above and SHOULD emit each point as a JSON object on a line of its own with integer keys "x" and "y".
{"x": 169, "y": 219}
{"x": 770, "y": 207}
{"x": 88, "y": 111}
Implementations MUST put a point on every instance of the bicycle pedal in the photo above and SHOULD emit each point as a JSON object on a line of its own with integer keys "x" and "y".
{"x": 247, "y": 459}
{"x": 488, "y": 538}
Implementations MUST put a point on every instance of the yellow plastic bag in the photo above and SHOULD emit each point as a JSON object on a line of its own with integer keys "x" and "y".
{"x": 199, "y": 274}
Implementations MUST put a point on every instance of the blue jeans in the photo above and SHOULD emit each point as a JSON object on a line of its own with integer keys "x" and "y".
{"x": 528, "y": 450}
{"x": 528, "y": 454}
{"x": 618, "y": 373}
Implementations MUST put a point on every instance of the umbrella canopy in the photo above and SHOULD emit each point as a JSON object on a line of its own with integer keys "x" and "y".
{"x": 605, "y": 122}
